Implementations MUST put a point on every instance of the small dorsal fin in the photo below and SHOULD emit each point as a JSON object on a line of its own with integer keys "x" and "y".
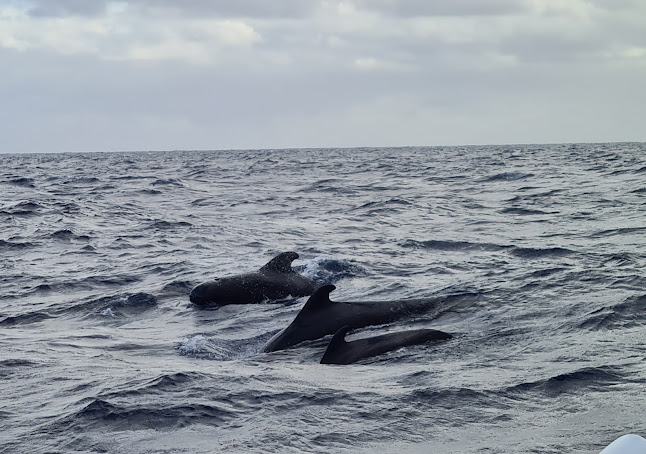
{"x": 339, "y": 336}
{"x": 319, "y": 299}
{"x": 336, "y": 343}
{"x": 282, "y": 263}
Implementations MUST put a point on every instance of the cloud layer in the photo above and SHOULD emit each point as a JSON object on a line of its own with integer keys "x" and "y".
{"x": 159, "y": 74}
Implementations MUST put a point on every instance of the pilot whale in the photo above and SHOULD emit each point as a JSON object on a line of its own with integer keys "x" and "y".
{"x": 274, "y": 281}
{"x": 320, "y": 316}
{"x": 340, "y": 351}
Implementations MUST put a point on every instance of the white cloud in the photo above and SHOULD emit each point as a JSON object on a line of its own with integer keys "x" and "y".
{"x": 366, "y": 63}
{"x": 633, "y": 52}
{"x": 123, "y": 33}
{"x": 579, "y": 10}
{"x": 443, "y": 8}
{"x": 252, "y": 73}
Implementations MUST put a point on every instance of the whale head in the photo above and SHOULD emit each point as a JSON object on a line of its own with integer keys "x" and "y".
{"x": 204, "y": 294}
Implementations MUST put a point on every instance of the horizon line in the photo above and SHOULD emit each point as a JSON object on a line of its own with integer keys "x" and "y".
{"x": 316, "y": 148}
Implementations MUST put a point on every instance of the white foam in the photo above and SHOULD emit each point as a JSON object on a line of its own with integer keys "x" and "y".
{"x": 107, "y": 312}
{"x": 193, "y": 345}
{"x": 201, "y": 346}
{"x": 313, "y": 266}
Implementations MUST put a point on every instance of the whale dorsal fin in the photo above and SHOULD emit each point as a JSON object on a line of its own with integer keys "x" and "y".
{"x": 282, "y": 263}
{"x": 319, "y": 299}
{"x": 339, "y": 336}
{"x": 336, "y": 343}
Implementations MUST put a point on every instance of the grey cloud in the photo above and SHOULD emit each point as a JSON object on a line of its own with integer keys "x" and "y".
{"x": 216, "y": 102}
{"x": 614, "y": 5}
{"x": 217, "y": 8}
{"x": 535, "y": 48}
{"x": 61, "y": 8}
{"x": 412, "y": 8}
{"x": 559, "y": 88}
{"x": 237, "y": 8}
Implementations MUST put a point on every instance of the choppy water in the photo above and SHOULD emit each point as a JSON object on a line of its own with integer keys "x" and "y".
{"x": 544, "y": 248}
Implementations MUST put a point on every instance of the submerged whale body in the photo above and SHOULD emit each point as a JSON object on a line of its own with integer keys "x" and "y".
{"x": 340, "y": 351}
{"x": 320, "y": 317}
{"x": 274, "y": 281}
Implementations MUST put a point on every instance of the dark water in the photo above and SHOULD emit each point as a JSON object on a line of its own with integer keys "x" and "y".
{"x": 542, "y": 247}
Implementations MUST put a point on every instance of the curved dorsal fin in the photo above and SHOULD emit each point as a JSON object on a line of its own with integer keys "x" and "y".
{"x": 339, "y": 336}
{"x": 336, "y": 343}
{"x": 319, "y": 299}
{"x": 282, "y": 263}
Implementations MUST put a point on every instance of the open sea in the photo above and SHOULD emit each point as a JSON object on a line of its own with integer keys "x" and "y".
{"x": 542, "y": 249}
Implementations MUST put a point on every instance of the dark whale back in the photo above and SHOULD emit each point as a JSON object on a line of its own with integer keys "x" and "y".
{"x": 274, "y": 281}
{"x": 339, "y": 351}
{"x": 320, "y": 316}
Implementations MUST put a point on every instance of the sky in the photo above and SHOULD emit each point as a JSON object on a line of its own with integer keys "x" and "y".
{"x": 81, "y": 75}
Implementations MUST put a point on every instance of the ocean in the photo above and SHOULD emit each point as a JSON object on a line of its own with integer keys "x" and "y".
{"x": 542, "y": 249}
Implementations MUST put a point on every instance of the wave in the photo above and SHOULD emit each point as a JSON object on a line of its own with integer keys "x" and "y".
{"x": 459, "y": 246}
{"x": 534, "y": 197}
{"x": 129, "y": 177}
{"x": 177, "y": 288}
{"x": 15, "y": 245}
{"x": 104, "y": 188}
{"x": 203, "y": 201}
{"x": 569, "y": 382}
{"x": 536, "y": 253}
{"x": 110, "y": 307}
{"x": 12, "y": 367}
{"x": 150, "y": 191}
{"x": 523, "y": 211}
{"x": 114, "y": 307}
{"x": 166, "y": 225}
{"x": 453, "y": 398}
{"x": 622, "y": 259}
{"x": 628, "y": 314}
{"x": 586, "y": 378}
{"x": 166, "y": 182}
{"x": 25, "y": 319}
{"x": 619, "y": 231}
{"x": 162, "y": 383}
{"x": 21, "y": 181}
{"x": 448, "y": 245}
{"x": 22, "y": 209}
{"x": 547, "y": 272}
{"x": 68, "y": 235}
{"x": 508, "y": 176}
{"x": 92, "y": 282}
{"x": 331, "y": 185}
{"x": 85, "y": 180}
{"x": 87, "y": 283}
{"x": 392, "y": 205}
{"x": 99, "y": 413}
{"x": 17, "y": 363}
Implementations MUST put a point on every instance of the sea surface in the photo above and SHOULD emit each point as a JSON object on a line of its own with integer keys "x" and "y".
{"x": 542, "y": 249}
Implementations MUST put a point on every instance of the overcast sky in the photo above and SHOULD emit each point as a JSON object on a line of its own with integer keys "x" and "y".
{"x": 97, "y": 75}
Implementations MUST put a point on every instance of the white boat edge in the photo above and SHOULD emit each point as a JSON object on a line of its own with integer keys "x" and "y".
{"x": 626, "y": 444}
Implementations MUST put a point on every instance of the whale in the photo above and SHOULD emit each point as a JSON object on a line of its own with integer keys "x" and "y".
{"x": 274, "y": 281}
{"x": 320, "y": 316}
{"x": 340, "y": 351}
